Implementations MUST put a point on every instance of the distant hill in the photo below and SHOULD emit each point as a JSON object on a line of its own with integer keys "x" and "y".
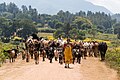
{"x": 53, "y": 6}
{"x": 117, "y": 17}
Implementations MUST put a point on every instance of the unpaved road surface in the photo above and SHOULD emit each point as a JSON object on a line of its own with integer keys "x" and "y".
{"x": 89, "y": 69}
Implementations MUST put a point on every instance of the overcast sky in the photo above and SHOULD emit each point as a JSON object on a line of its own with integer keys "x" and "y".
{"x": 112, "y": 5}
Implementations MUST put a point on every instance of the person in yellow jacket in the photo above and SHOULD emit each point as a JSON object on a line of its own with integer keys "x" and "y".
{"x": 68, "y": 53}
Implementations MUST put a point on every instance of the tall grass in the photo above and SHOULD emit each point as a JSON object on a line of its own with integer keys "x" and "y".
{"x": 113, "y": 56}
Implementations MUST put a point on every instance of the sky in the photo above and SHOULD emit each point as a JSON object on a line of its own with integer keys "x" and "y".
{"x": 112, "y": 5}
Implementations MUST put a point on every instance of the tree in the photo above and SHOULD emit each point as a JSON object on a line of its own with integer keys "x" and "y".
{"x": 93, "y": 31}
{"x": 3, "y": 7}
{"x": 24, "y": 9}
{"x": 74, "y": 33}
{"x": 116, "y": 28}
{"x": 58, "y": 33}
{"x": 4, "y": 27}
{"x": 26, "y": 28}
{"x": 55, "y": 24}
{"x": 66, "y": 29}
{"x": 12, "y": 8}
{"x": 82, "y": 23}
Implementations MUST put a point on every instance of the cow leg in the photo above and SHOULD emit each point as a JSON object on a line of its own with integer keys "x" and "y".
{"x": 14, "y": 59}
{"x": 15, "y": 55}
{"x": 36, "y": 62}
{"x": 35, "y": 59}
{"x": 95, "y": 53}
{"x": 38, "y": 58}
{"x": 79, "y": 60}
{"x": 51, "y": 60}
{"x": 43, "y": 58}
{"x": 60, "y": 60}
{"x": 65, "y": 65}
{"x": 36, "y": 55}
{"x": 102, "y": 55}
{"x": 31, "y": 56}
{"x": 10, "y": 60}
{"x": 55, "y": 58}
{"x": 68, "y": 66}
{"x": 23, "y": 56}
{"x": 85, "y": 54}
{"x": 27, "y": 57}
{"x": 73, "y": 60}
{"x": 90, "y": 54}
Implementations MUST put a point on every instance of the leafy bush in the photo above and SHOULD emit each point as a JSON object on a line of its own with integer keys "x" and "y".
{"x": 113, "y": 58}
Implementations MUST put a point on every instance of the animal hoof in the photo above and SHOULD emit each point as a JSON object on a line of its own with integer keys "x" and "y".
{"x": 65, "y": 66}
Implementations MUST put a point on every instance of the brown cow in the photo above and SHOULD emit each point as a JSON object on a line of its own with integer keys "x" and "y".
{"x": 12, "y": 54}
{"x": 25, "y": 55}
{"x": 95, "y": 48}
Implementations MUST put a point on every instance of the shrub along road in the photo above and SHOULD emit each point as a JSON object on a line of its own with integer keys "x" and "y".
{"x": 89, "y": 69}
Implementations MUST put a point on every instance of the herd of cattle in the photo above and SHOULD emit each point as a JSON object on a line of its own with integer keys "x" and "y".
{"x": 51, "y": 49}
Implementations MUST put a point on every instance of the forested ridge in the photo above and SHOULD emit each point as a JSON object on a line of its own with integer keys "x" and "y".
{"x": 26, "y": 20}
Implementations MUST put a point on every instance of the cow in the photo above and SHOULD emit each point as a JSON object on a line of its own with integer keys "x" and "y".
{"x": 36, "y": 46}
{"x": 82, "y": 50}
{"x": 102, "y": 49}
{"x": 51, "y": 47}
{"x": 25, "y": 55}
{"x": 32, "y": 47}
{"x": 90, "y": 50}
{"x": 12, "y": 54}
{"x": 36, "y": 56}
{"x": 43, "y": 48}
{"x": 76, "y": 53}
{"x": 61, "y": 55}
{"x": 56, "y": 54}
{"x": 29, "y": 46}
{"x": 95, "y": 48}
{"x": 51, "y": 54}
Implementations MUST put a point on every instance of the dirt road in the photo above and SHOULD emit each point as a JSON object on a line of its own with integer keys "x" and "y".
{"x": 89, "y": 69}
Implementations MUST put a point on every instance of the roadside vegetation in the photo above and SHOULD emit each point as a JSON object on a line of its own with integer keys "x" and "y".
{"x": 113, "y": 56}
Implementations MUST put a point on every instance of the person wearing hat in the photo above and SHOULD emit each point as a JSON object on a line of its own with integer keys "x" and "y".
{"x": 68, "y": 53}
